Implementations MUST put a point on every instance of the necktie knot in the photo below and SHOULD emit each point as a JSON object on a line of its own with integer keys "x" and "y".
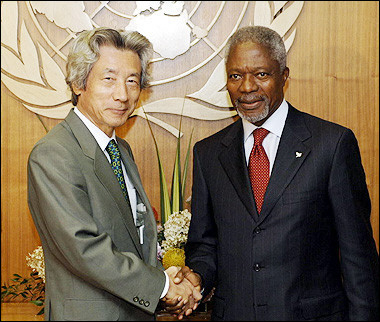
{"x": 259, "y": 135}
{"x": 113, "y": 150}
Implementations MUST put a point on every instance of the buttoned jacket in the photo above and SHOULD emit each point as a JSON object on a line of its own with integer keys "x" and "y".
{"x": 95, "y": 266}
{"x": 310, "y": 254}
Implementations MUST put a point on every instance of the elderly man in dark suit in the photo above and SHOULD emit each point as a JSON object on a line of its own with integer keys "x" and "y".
{"x": 280, "y": 208}
{"x": 90, "y": 209}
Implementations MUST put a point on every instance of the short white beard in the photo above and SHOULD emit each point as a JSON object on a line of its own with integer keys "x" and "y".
{"x": 253, "y": 118}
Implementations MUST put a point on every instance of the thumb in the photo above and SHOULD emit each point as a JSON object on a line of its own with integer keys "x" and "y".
{"x": 178, "y": 278}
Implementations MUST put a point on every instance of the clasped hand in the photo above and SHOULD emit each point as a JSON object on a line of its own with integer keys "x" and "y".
{"x": 184, "y": 294}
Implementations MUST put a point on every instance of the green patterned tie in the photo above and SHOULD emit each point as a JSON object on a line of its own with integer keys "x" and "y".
{"x": 114, "y": 152}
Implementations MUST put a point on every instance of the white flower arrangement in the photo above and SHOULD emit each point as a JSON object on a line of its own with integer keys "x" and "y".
{"x": 36, "y": 262}
{"x": 176, "y": 230}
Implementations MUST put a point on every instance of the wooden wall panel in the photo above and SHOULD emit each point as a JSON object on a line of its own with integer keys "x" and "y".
{"x": 334, "y": 64}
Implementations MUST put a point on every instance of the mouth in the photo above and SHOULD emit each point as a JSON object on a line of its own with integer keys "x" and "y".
{"x": 250, "y": 104}
{"x": 118, "y": 111}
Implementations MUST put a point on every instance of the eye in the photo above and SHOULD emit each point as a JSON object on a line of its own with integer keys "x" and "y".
{"x": 234, "y": 76}
{"x": 133, "y": 82}
{"x": 262, "y": 74}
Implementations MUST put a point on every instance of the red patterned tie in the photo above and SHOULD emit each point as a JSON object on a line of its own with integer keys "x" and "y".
{"x": 258, "y": 168}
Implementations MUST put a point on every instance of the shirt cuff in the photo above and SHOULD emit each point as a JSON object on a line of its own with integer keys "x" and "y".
{"x": 166, "y": 288}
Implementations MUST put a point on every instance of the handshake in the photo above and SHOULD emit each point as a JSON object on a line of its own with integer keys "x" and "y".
{"x": 184, "y": 291}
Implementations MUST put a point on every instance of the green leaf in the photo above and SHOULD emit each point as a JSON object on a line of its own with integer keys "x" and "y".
{"x": 176, "y": 193}
{"x": 38, "y": 303}
{"x": 176, "y": 200}
{"x": 17, "y": 275}
{"x": 41, "y": 311}
{"x": 165, "y": 201}
{"x": 24, "y": 281}
{"x": 184, "y": 178}
{"x": 164, "y": 194}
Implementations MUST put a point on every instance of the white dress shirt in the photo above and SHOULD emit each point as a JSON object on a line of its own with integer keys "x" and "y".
{"x": 275, "y": 125}
{"x": 102, "y": 139}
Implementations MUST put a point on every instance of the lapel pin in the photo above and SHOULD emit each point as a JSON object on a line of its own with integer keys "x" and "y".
{"x": 298, "y": 154}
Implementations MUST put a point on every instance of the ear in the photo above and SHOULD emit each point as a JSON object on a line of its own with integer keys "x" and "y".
{"x": 285, "y": 75}
{"x": 77, "y": 91}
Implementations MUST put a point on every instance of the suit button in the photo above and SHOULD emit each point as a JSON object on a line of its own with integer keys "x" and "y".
{"x": 141, "y": 302}
{"x": 257, "y": 230}
{"x": 147, "y": 303}
{"x": 257, "y": 267}
{"x": 135, "y": 299}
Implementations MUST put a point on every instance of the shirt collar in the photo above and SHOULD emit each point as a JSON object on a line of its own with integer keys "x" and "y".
{"x": 274, "y": 124}
{"x": 97, "y": 133}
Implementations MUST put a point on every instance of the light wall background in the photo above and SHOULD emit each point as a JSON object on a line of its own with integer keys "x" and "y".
{"x": 334, "y": 74}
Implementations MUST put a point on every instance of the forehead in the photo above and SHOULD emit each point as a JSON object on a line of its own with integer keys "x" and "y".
{"x": 250, "y": 54}
{"x": 115, "y": 59}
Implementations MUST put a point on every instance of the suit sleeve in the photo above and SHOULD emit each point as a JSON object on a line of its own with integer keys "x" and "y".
{"x": 60, "y": 205}
{"x": 202, "y": 239}
{"x": 351, "y": 205}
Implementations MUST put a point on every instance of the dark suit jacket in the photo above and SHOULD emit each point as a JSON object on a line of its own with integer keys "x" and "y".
{"x": 95, "y": 266}
{"x": 310, "y": 254}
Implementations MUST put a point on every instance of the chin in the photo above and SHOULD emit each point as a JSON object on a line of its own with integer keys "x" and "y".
{"x": 254, "y": 117}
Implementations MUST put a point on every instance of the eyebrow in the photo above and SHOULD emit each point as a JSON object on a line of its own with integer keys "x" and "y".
{"x": 109, "y": 70}
{"x": 135, "y": 74}
{"x": 112, "y": 71}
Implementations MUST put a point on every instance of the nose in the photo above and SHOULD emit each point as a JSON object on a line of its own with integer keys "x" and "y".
{"x": 248, "y": 84}
{"x": 120, "y": 92}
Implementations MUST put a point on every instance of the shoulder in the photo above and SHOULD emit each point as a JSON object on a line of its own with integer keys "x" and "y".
{"x": 316, "y": 125}
{"x": 58, "y": 135}
{"x": 58, "y": 143}
{"x": 226, "y": 134}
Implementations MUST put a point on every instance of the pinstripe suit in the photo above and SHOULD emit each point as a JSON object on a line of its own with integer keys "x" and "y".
{"x": 314, "y": 228}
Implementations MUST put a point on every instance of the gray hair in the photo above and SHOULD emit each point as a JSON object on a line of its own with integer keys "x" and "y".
{"x": 263, "y": 36}
{"x": 84, "y": 54}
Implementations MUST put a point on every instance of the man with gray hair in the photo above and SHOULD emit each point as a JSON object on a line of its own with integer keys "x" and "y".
{"x": 86, "y": 198}
{"x": 280, "y": 208}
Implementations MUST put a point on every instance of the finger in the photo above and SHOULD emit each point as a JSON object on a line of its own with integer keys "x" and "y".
{"x": 191, "y": 301}
{"x": 194, "y": 278}
{"x": 186, "y": 309}
{"x": 173, "y": 302}
{"x": 181, "y": 274}
{"x": 174, "y": 306}
{"x": 174, "y": 311}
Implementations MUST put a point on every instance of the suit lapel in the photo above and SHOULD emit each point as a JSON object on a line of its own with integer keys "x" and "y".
{"x": 233, "y": 162}
{"x": 104, "y": 173}
{"x": 150, "y": 229}
{"x": 291, "y": 153}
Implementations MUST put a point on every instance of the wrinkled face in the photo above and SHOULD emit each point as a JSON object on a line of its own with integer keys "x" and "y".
{"x": 254, "y": 82}
{"x": 112, "y": 88}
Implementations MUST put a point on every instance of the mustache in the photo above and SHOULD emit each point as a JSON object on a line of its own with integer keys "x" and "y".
{"x": 246, "y": 98}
